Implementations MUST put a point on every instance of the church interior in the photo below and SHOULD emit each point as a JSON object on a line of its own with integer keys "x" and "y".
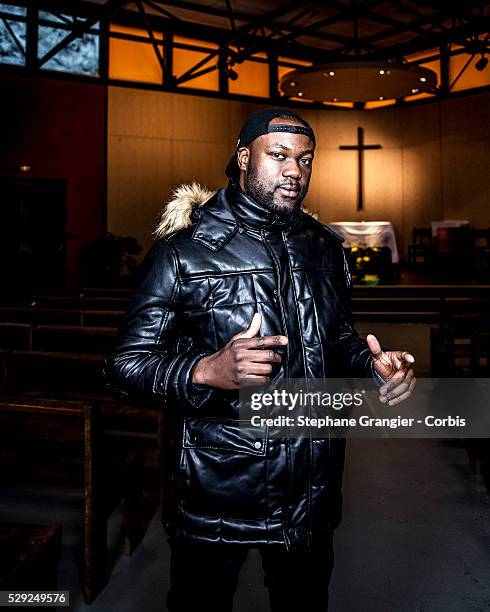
{"x": 108, "y": 106}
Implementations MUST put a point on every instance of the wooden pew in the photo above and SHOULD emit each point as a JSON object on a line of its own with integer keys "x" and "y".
{"x": 119, "y": 292}
{"x": 68, "y": 338}
{"x": 61, "y": 440}
{"x": 60, "y": 316}
{"x": 73, "y": 339}
{"x": 84, "y": 302}
{"x": 47, "y": 371}
{"x": 78, "y": 376}
{"x": 480, "y": 354}
{"x": 15, "y": 336}
{"x": 451, "y": 342}
{"x": 29, "y": 557}
{"x": 421, "y": 249}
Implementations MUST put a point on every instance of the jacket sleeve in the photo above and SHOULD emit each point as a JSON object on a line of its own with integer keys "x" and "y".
{"x": 358, "y": 361}
{"x": 153, "y": 358}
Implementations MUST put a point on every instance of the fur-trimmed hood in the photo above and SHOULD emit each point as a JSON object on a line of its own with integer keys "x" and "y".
{"x": 176, "y": 213}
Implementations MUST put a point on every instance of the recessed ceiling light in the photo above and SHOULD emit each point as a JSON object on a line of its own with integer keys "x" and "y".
{"x": 300, "y": 94}
{"x": 422, "y": 79}
{"x": 415, "y": 90}
{"x": 331, "y": 73}
{"x": 334, "y": 99}
{"x": 381, "y": 98}
{"x": 381, "y": 72}
{"x": 293, "y": 83}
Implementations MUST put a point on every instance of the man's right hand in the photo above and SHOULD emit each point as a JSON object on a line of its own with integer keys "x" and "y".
{"x": 246, "y": 357}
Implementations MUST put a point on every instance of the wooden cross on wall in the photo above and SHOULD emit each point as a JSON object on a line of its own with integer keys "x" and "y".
{"x": 360, "y": 147}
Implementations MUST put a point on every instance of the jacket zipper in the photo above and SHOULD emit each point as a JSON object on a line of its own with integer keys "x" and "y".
{"x": 286, "y": 372}
{"x": 279, "y": 296}
{"x": 290, "y": 272}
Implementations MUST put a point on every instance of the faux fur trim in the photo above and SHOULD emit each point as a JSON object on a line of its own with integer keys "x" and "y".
{"x": 176, "y": 214}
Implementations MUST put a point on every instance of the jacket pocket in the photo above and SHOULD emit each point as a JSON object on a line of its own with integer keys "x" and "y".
{"x": 223, "y": 469}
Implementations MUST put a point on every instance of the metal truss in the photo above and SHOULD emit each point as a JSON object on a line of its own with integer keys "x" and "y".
{"x": 316, "y": 31}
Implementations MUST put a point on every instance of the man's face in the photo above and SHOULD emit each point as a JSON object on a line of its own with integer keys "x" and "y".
{"x": 275, "y": 168}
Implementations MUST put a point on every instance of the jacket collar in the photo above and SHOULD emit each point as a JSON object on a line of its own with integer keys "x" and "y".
{"x": 231, "y": 210}
{"x": 215, "y": 222}
{"x": 250, "y": 214}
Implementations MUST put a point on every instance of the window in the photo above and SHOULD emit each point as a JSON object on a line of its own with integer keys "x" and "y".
{"x": 132, "y": 56}
{"x": 12, "y": 35}
{"x": 253, "y": 77}
{"x": 80, "y": 56}
{"x": 184, "y": 58}
{"x": 470, "y": 77}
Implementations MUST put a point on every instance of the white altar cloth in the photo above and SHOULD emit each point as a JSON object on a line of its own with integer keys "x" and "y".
{"x": 435, "y": 225}
{"x": 368, "y": 233}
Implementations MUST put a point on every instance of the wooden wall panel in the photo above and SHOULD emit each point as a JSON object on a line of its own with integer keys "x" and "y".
{"x": 138, "y": 184}
{"x": 383, "y": 186}
{"x": 419, "y": 125}
{"x": 337, "y": 178}
{"x": 466, "y": 118}
{"x": 139, "y": 113}
{"x": 203, "y": 162}
{"x": 422, "y": 196}
{"x": 466, "y": 185}
{"x": 199, "y": 119}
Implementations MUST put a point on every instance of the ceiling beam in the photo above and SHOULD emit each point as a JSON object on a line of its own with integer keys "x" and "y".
{"x": 433, "y": 40}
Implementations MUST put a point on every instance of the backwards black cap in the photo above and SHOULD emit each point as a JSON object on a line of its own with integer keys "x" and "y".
{"x": 258, "y": 124}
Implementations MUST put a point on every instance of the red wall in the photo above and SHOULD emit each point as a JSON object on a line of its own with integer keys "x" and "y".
{"x": 58, "y": 128}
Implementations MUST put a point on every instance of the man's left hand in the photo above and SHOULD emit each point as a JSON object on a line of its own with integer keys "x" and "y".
{"x": 395, "y": 367}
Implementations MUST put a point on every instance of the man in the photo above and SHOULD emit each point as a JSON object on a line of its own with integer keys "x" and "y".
{"x": 243, "y": 284}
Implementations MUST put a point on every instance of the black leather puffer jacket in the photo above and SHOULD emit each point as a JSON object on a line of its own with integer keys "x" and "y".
{"x": 199, "y": 286}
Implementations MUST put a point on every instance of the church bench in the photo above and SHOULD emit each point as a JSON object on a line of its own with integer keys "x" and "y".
{"x": 395, "y": 317}
{"x": 119, "y": 292}
{"x": 138, "y": 429}
{"x": 480, "y": 353}
{"x": 451, "y": 342}
{"x": 15, "y": 335}
{"x": 51, "y": 371}
{"x": 416, "y": 291}
{"x": 69, "y": 338}
{"x": 79, "y": 302}
{"x": 394, "y": 304}
{"x": 421, "y": 249}
{"x": 60, "y": 316}
{"x": 29, "y": 557}
{"x": 60, "y": 441}
{"x": 429, "y": 309}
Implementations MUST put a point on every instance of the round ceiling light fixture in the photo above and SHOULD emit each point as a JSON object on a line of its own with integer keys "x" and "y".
{"x": 358, "y": 81}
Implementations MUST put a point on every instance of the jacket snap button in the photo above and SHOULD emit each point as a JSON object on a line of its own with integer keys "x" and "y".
{"x": 258, "y": 445}
{"x": 200, "y": 235}
{"x": 276, "y": 292}
{"x": 213, "y": 241}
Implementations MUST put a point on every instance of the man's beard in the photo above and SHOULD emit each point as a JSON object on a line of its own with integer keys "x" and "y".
{"x": 264, "y": 194}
